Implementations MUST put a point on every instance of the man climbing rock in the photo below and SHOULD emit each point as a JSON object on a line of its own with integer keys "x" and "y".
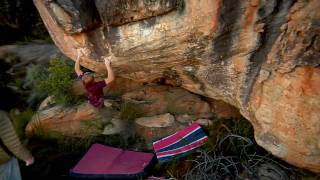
{"x": 94, "y": 88}
{"x": 11, "y": 147}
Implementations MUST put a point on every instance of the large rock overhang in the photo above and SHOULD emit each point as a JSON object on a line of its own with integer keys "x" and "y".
{"x": 260, "y": 56}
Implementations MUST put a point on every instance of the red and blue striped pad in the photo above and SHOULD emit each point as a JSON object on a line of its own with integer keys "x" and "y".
{"x": 180, "y": 143}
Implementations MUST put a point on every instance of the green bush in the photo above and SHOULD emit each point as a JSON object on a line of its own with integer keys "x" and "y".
{"x": 59, "y": 82}
{"x": 56, "y": 81}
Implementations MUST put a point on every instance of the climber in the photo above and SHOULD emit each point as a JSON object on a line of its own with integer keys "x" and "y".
{"x": 94, "y": 88}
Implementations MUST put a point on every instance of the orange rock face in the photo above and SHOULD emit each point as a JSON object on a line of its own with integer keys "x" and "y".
{"x": 70, "y": 121}
{"x": 260, "y": 56}
{"x": 286, "y": 108}
{"x": 153, "y": 100}
{"x": 285, "y": 100}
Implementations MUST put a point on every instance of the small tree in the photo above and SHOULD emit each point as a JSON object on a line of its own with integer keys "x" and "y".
{"x": 56, "y": 81}
{"x": 59, "y": 82}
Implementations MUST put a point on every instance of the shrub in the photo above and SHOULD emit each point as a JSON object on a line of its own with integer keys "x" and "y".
{"x": 57, "y": 81}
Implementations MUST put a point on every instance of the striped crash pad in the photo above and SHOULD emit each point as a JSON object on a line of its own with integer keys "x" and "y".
{"x": 180, "y": 143}
{"x": 104, "y": 162}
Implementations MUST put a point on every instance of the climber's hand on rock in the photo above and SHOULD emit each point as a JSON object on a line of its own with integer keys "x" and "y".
{"x": 84, "y": 51}
{"x": 107, "y": 61}
{"x": 80, "y": 53}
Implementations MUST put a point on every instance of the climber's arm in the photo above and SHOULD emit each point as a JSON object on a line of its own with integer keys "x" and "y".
{"x": 110, "y": 77}
{"x": 77, "y": 64}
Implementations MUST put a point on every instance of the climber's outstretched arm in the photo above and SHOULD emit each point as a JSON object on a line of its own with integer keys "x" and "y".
{"x": 110, "y": 77}
{"x": 77, "y": 64}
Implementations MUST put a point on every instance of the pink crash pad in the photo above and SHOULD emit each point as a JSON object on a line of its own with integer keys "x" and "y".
{"x": 107, "y": 162}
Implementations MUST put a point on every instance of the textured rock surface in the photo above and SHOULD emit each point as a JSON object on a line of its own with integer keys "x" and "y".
{"x": 204, "y": 122}
{"x": 159, "y": 121}
{"x": 79, "y": 120}
{"x": 72, "y": 15}
{"x": 47, "y": 103}
{"x": 259, "y": 56}
{"x": 185, "y": 118}
{"x": 285, "y": 100}
{"x": 223, "y": 110}
{"x": 69, "y": 121}
{"x": 154, "y": 100}
{"x": 156, "y": 127}
{"x": 115, "y": 12}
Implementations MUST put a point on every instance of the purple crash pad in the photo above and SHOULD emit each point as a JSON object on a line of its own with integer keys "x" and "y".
{"x": 104, "y": 161}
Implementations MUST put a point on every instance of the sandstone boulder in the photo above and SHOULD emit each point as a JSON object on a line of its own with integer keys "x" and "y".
{"x": 155, "y": 127}
{"x": 74, "y": 16}
{"x": 47, "y": 103}
{"x": 129, "y": 11}
{"x": 260, "y": 56}
{"x": 188, "y": 118}
{"x": 185, "y": 118}
{"x": 153, "y": 100}
{"x": 223, "y": 110}
{"x": 159, "y": 121}
{"x": 79, "y": 120}
{"x": 204, "y": 122}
